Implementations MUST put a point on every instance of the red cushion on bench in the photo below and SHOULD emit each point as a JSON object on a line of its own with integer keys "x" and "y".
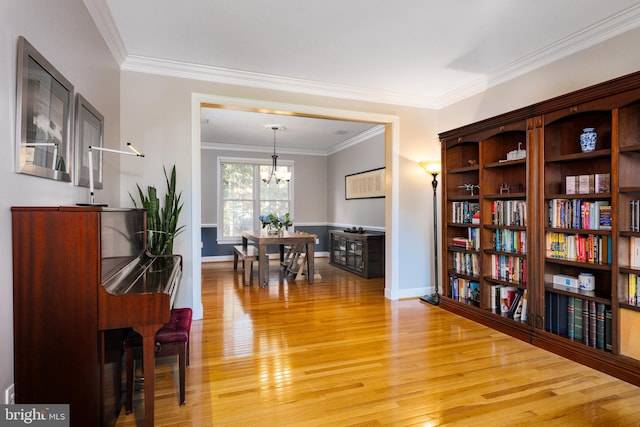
{"x": 177, "y": 329}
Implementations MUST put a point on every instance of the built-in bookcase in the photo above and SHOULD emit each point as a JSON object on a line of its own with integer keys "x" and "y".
{"x": 628, "y": 294}
{"x": 504, "y": 222}
{"x": 576, "y": 186}
{"x": 461, "y": 221}
{"x": 551, "y": 217}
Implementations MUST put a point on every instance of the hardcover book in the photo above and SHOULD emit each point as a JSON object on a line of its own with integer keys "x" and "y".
{"x": 602, "y": 182}
{"x": 606, "y": 221}
{"x": 571, "y": 320}
{"x": 577, "y": 314}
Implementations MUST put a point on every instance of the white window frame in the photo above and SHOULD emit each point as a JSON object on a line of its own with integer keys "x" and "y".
{"x": 256, "y": 183}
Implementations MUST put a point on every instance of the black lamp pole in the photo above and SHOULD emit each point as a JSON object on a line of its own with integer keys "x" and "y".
{"x": 435, "y": 297}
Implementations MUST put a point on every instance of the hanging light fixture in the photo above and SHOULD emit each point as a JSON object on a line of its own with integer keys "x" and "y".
{"x": 276, "y": 174}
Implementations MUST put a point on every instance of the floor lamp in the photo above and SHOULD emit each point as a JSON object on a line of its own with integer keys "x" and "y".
{"x": 433, "y": 168}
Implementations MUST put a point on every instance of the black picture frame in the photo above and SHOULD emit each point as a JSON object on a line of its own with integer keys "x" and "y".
{"x": 44, "y": 110}
{"x": 365, "y": 185}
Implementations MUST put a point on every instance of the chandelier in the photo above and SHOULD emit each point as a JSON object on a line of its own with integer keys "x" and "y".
{"x": 276, "y": 174}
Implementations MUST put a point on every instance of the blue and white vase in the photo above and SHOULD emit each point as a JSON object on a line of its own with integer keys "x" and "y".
{"x": 588, "y": 140}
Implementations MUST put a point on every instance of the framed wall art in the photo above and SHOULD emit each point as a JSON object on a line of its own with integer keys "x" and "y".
{"x": 365, "y": 185}
{"x": 44, "y": 109}
{"x": 89, "y": 132}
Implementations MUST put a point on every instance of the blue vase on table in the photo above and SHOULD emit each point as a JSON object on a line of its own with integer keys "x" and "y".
{"x": 588, "y": 140}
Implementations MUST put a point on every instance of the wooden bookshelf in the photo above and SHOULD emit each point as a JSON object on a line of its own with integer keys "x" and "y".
{"x": 530, "y": 161}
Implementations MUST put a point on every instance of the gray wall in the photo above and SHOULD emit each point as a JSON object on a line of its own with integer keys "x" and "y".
{"x": 64, "y": 33}
{"x": 310, "y": 193}
{"x": 366, "y": 213}
{"x": 319, "y": 201}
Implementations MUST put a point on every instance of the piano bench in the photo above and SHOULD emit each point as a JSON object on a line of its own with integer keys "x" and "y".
{"x": 171, "y": 339}
{"x": 248, "y": 253}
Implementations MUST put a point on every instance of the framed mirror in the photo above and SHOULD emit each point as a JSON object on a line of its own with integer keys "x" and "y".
{"x": 89, "y": 132}
{"x": 44, "y": 108}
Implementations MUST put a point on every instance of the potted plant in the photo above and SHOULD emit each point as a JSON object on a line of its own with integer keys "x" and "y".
{"x": 162, "y": 221}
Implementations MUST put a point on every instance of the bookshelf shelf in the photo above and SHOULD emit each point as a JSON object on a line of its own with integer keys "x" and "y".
{"x": 580, "y": 156}
{"x": 546, "y": 168}
{"x": 505, "y": 282}
{"x": 578, "y": 264}
{"x": 587, "y": 295}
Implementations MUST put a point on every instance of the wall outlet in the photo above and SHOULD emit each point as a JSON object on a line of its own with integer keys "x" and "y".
{"x": 10, "y": 395}
{"x": 317, "y": 241}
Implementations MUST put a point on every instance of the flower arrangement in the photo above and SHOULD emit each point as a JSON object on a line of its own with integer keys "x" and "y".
{"x": 273, "y": 221}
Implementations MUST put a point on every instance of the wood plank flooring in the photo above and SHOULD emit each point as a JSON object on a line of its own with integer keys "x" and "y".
{"x": 337, "y": 353}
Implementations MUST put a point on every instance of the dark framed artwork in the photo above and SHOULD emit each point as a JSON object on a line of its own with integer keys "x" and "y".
{"x": 89, "y": 132}
{"x": 44, "y": 109}
{"x": 365, "y": 185}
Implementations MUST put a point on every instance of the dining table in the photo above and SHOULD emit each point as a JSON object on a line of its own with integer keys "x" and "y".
{"x": 264, "y": 238}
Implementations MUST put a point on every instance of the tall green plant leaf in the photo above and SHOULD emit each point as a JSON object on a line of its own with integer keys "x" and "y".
{"x": 162, "y": 221}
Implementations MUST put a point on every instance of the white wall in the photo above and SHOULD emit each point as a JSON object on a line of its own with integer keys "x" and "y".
{"x": 64, "y": 33}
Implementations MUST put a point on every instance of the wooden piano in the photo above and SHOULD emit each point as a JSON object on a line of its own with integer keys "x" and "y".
{"x": 81, "y": 280}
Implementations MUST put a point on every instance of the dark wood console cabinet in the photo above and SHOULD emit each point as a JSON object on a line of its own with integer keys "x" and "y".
{"x": 359, "y": 253}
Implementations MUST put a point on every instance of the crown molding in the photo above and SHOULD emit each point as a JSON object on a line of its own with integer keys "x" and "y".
{"x": 259, "y": 149}
{"x": 361, "y": 137}
{"x": 101, "y": 16}
{"x": 615, "y": 25}
{"x": 267, "y": 81}
{"x": 612, "y": 26}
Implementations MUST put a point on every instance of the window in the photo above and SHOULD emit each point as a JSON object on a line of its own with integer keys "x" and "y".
{"x": 243, "y": 196}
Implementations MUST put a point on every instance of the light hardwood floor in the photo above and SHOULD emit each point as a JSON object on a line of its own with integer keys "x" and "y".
{"x": 337, "y": 353}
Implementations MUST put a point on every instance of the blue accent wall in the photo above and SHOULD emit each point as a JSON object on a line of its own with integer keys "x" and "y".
{"x": 211, "y": 248}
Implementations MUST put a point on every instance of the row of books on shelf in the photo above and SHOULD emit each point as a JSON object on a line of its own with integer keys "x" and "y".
{"x": 471, "y": 242}
{"x": 633, "y": 296}
{"x": 634, "y": 215}
{"x": 587, "y": 248}
{"x": 465, "y": 212}
{"x": 509, "y": 301}
{"x": 579, "y": 213}
{"x": 509, "y": 212}
{"x": 509, "y": 268}
{"x": 578, "y": 319}
{"x": 506, "y": 240}
{"x": 634, "y": 252}
{"x": 587, "y": 184}
{"x": 464, "y": 290}
{"x": 466, "y": 263}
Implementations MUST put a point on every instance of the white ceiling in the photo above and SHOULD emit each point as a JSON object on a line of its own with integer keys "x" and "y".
{"x": 425, "y": 53}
